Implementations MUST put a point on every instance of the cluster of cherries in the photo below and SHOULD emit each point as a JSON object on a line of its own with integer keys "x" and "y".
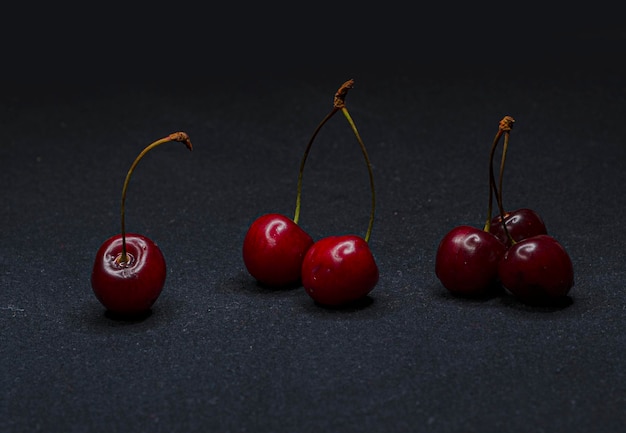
{"x": 129, "y": 271}
{"x": 513, "y": 251}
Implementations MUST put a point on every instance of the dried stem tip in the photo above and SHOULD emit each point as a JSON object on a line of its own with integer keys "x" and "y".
{"x": 182, "y": 137}
{"x": 506, "y": 124}
{"x": 340, "y": 96}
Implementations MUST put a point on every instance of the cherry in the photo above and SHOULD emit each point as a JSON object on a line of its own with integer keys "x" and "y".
{"x": 128, "y": 287}
{"x": 274, "y": 248}
{"x": 537, "y": 270}
{"x": 528, "y": 263}
{"x": 467, "y": 261}
{"x": 520, "y": 223}
{"x": 275, "y": 245}
{"x": 340, "y": 270}
{"x": 467, "y": 257}
{"x": 129, "y": 270}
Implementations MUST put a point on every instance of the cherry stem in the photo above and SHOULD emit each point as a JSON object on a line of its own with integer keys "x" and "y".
{"x": 492, "y": 187}
{"x": 505, "y": 147}
{"x": 345, "y": 112}
{"x": 505, "y": 126}
{"x": 176, "y": 136}
{"x": 339, "y": 103}
{"x": 296, "y": 216}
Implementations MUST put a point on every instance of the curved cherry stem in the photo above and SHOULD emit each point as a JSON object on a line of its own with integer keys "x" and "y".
{"x": 505, "y": 126}
{"x": 296, "y": 216}
{"x": 339, "y": 104}
{"x": 345, "y": 112}
{"x": 494, "y": 145}
{"x": 176, "y": 136}
{"x": 505, "y": 147}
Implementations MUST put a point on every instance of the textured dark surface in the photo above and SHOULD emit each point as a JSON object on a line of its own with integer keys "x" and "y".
{"x": 220, "y": 353}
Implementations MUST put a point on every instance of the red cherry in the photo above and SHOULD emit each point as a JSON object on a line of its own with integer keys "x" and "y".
{"x": 338, "y": 270}
{"x": 467, "y": 258}
{"x": 274, "y": 248}
{"x": 467, "y": 261}
{"x": 537, "y": 269}
{"x": 132, "y": 287}
{"x": 129, "y": 270}
{"x": 521, "y": 224}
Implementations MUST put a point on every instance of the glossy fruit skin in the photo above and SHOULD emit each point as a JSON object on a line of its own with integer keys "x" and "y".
{"x": 521, "y": 224}
{"x": 273, "y": 250}
{"x": 467, "y": 261}
{"x": 132, "y": 288}
{"x": 537, "y": 268}
{"x": 338, "y": 270}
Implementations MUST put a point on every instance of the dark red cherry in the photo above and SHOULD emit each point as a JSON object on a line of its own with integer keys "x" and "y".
{"x": 537, "y": 269}
{"x": 128, "y": 288}
{"x": 338, "y": 270}
{"x": 273, "y": 250}
{"x": 467, "y": 261}
{"x": 521, "y": 224}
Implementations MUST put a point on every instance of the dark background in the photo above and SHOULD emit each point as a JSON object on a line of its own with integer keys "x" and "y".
{"x": 83, "y": 92}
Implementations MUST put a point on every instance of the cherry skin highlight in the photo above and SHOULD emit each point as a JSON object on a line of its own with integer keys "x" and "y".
{"x": 537, "y": 269}
{"x": 467, "y": 261}
{"x": 273, "y": 250}
{"x": 521, "y": 224}
{"x": 128, "y": 288}
{"x": 338, "y": 270}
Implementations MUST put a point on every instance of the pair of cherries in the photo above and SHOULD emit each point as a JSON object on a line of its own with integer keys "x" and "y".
{"x": 335, "y": 271}
{"x": 513, "y": 250}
